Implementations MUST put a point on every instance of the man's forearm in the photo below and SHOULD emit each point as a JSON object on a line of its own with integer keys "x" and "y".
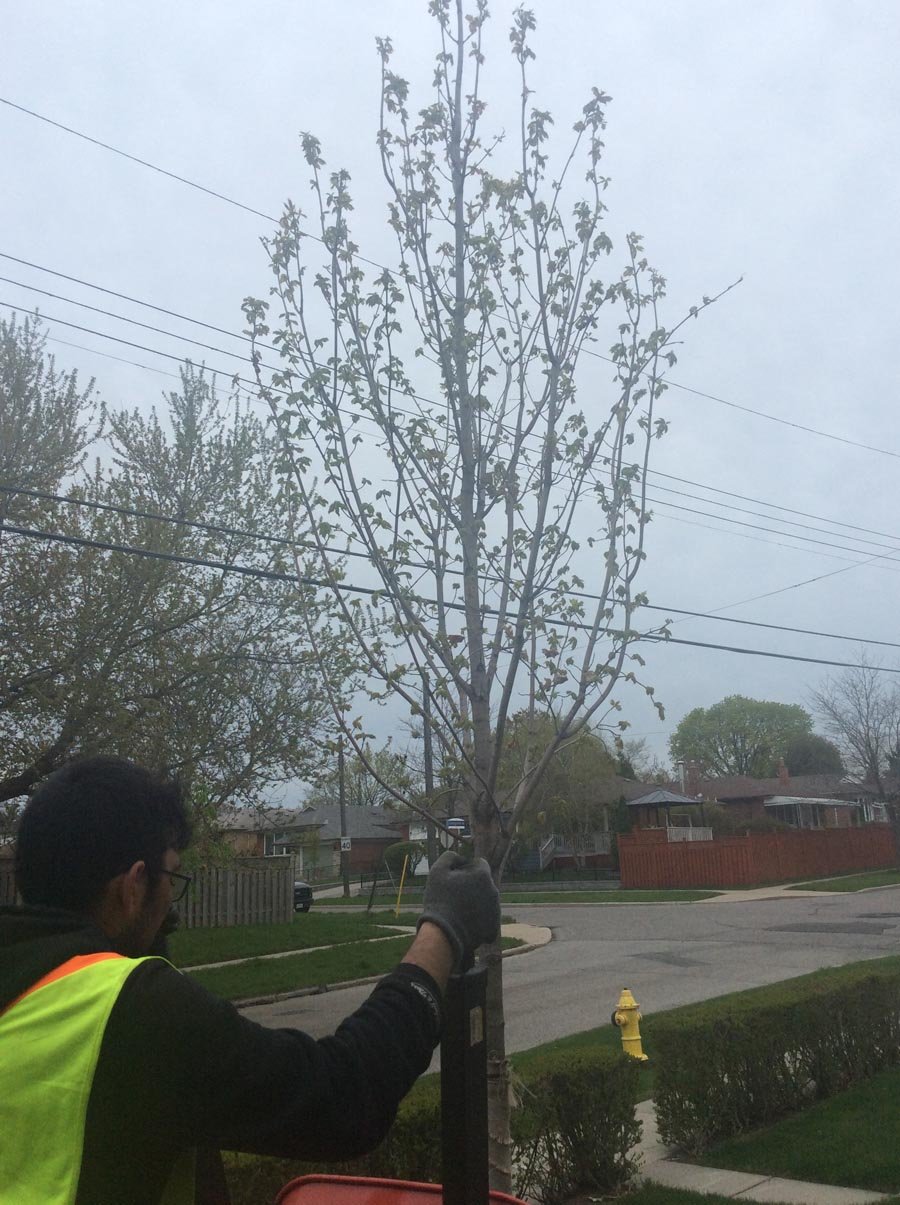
{"x": 432, "y": 951}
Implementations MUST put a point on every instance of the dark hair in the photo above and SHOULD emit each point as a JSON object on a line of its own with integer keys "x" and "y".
{"x": 90, "y": 821}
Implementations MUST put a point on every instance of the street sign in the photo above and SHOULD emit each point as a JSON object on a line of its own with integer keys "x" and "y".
{"x": 457, "y": 824}
{"x": 345, "y": 845}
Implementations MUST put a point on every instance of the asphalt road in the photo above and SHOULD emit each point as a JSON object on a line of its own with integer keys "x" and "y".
{"x": 667, "y": 954}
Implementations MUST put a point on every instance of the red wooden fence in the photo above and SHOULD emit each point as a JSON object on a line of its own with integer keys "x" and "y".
{"x": 648, "y": 860}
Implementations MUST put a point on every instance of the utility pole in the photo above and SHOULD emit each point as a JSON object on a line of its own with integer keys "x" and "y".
{"x": 430, "y": 834}
{"x": 342, "y": 795}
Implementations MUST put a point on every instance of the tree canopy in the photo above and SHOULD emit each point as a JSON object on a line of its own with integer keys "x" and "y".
{"x": 813, "y": 754}
{"x": 739, "y": 736}
{"x": 860, "y": 709}
{"x": 187, "y": 666}
{"x": 362, "y": 784}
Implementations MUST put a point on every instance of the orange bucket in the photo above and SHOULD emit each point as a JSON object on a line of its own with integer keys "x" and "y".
{"x": 351, "y": 1190}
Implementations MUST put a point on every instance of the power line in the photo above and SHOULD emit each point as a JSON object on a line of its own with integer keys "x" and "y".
{"x": 211, "y": 192}
{"x": 271, "y": 347}
{"x": 273, "y": 575}
{"x": 154, "y": 167}
{"x": 149, "y": 305}
{"x": 222, "y": 529}
{"x": 894, "y": 547}
{"x": 796, "y": 585}
{"x": 791, "y": 510}
{"x": 247, "y": 360}
{"x": 774, "y": 418}
{"x": 252, "y": 385}
{"x": 691, "y": 510}
{"x": 158, "y": 330}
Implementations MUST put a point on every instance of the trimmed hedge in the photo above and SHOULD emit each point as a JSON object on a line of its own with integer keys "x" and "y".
{"x": 573, "y": 1127}
{"x": 727, "y": 1066}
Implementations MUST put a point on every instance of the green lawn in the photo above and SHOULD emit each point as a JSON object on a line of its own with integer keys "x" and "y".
{"x": 847, "y": 1139}
{"x": 352, "y": 960}
{"x": 604, "y": 897}
{"x": 655, "y": 1194}
{"x": 193, "y": 947}
{"x": 547, "y": 895}
{"x": 852, "y": 882}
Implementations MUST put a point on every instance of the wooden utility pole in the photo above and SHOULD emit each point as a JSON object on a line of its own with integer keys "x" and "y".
{"x": 430, "y": 834}
{"x": 342, "y": 795}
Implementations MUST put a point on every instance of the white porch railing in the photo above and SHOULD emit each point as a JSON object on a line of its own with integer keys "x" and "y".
{"x": 589, "y": 843}
{"x": 547, "y": 852}
{"x": 677, "y": 833}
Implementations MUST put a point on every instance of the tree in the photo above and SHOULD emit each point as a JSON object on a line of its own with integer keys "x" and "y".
{"x": 45, "y": 418}
{"x": 194, "y": 668}
{"x": 812, "y": 754}
{"x": 574, "y": 794}
{"x": 635, "y": 760}
{"x": 441, "y": 420}
{"x": 738, "y": 735}
{"x": 861, "y": 712}
{"x": 362, "y": 785}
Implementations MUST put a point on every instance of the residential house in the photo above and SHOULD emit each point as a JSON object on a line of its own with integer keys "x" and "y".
{"x": 804, "y": 801}
{"x": 557, "y": 851}
{"x": 370, "y": 830}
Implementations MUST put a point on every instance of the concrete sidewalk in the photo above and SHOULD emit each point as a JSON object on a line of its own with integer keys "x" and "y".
{"x": 659, "y": 1167}
{"x": 778, "y": 891}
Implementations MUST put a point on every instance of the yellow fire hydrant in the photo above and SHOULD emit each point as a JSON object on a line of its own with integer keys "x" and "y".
{"x": 628, "y": 1020}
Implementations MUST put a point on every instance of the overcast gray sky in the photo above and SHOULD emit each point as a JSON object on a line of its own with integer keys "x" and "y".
{"x": 757, "y": 140}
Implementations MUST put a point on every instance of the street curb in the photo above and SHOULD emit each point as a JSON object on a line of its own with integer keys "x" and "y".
{"x": 321, "y": 988}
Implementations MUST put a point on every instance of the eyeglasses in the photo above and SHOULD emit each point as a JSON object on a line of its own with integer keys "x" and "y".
{"x": 178, "y": 891}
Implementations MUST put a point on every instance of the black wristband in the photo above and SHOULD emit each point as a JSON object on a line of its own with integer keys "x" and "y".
{"x": 419, "y": 981}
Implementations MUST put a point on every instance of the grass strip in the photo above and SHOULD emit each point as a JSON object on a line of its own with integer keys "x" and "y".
{"x": 352, "y": 960}
{"x": 852, "y": 882}
{"x": 604, "y": 897}
{"x": 192, "y": 947}
{"x": 835, "y": 1141}
{"x": 657, "y": 1194}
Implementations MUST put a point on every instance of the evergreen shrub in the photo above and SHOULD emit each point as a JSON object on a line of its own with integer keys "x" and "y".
{"x": 573, "y": 1128}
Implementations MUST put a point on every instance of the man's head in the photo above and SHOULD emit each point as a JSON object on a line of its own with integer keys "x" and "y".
{"x": 97, "y": 837}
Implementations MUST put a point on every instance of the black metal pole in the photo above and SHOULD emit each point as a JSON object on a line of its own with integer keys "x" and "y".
{"x": 464, "y": 1121}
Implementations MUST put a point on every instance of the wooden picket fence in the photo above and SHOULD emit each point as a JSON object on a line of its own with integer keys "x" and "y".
{"x": 648, "y": 860}
{"x": 221, "y": 897}
{"x": 238, "y": 897}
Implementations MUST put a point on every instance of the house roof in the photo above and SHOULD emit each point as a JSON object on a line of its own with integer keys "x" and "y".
{"x": 660, "y": 798}
{"x": 362, "y": 823}
{"x": 262, "y": 819}
{"x": 778, "y": 801}
{"x": 802, "y": 786}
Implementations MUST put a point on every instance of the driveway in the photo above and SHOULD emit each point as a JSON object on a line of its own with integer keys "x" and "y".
{"x": 667, "y": 954}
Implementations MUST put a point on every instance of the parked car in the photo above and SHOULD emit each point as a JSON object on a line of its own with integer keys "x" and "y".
{"x": 303, "y": 897}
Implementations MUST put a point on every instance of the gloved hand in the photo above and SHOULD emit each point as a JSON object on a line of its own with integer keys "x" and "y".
{"x": 461, "y": 899}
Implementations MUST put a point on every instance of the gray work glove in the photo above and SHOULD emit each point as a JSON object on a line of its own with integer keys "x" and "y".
{"x": 461, "y": 899}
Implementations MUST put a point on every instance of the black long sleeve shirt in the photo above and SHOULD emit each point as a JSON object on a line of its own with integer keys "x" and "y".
{"x": 179, "y": 1067}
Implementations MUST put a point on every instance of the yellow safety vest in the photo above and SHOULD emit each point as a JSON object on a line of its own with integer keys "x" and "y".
{"x": 50, "y": 1040}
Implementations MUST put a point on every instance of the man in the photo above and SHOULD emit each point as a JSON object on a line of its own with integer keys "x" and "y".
{"x": 119, "y": 1076}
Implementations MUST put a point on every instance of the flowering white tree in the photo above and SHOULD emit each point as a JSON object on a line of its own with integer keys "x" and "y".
{"x": 440, "y": 421}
